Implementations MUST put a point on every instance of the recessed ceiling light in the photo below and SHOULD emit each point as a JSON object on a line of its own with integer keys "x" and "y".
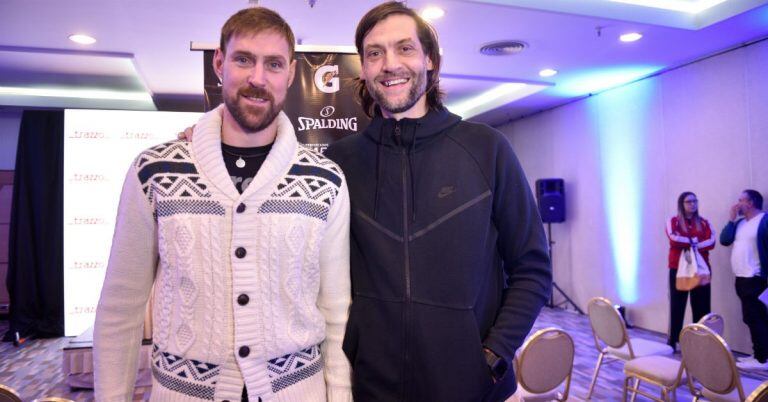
{"x": 630, "y": 37}
{"x": 547, "y": 72}
{"x": 82, "y": 39}
{"x": 432, "y": 13}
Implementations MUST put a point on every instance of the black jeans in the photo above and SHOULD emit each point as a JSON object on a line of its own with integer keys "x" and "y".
{"x": 700, "y": 305}
{"x": 754, "y": 313}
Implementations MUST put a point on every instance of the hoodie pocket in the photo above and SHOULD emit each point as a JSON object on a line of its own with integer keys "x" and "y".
{"x": 448, "y": 360}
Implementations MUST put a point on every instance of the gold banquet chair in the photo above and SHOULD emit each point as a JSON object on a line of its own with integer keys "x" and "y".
{"x": 661, "y": 371}
{"x": 544, "y": 363}
{"x": 709, "y": 361}
{"x": 612, "y": 340}
{"x": 714, "y": 322}
{"x": 760, "y": 394}
{"x": 8, "y": 394}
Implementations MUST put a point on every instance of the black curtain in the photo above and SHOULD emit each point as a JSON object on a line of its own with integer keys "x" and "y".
{"x": 36, "y": 251}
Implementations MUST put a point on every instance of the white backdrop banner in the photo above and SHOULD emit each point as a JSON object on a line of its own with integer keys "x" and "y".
{"x": 99, "y": 146}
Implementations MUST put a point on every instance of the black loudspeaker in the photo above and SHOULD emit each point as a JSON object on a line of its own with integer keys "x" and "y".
{"x": 551, "y": 196}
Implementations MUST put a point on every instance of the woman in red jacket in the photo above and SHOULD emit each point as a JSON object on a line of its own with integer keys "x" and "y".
{"x": 685, "y": 230}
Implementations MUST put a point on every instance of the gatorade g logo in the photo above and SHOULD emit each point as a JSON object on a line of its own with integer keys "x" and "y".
{"x": 327, "y": 79}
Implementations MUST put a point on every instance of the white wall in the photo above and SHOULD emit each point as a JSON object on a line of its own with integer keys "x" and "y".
{"x": 626, "y": 155}
{"x": 9, "y": 136}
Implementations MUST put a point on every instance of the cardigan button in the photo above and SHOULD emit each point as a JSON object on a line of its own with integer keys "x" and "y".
{"x": 244, "y": 351}
{"x": 240, "y": 252}
{"x": 240, "y": 208}
{"x": 243, "y": 299}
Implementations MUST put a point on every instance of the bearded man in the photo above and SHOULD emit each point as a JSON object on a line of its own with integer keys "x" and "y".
{"x": 244, "y": 235}
{"x": 449, "y": 259}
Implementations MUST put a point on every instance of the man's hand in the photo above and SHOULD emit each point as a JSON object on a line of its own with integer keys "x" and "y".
{"x": 735, "y": 209}
{"x": 496, "y": 364}
{"x": 186, "y": 134}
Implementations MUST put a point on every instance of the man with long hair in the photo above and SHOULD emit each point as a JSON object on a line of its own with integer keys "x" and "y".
{"x": 449, "y": 259}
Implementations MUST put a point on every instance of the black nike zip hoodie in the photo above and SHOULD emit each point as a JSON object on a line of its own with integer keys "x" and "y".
{"x": 448, "y": 256}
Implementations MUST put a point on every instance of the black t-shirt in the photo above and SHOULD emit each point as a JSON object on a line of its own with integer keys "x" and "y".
{"x": 243, "y": 163}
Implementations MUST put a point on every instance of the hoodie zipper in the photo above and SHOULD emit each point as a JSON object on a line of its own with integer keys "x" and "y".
{"x": 407, "y": 263}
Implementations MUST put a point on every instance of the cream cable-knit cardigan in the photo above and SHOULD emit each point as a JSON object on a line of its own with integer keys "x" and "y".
{"x": 184, "y": 228}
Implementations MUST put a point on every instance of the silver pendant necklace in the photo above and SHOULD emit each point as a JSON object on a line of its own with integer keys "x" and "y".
{"x": 240, "y": 162}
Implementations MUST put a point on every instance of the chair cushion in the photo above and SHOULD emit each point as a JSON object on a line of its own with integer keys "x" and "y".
{"x": 749, "y": 385}
{"x": 525, "y": 396}
{"x": 660, "y": 369}
{"x": 641, "y": 347}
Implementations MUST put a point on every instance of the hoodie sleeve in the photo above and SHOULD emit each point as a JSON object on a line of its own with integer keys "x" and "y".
{"x": 523, "y": 247}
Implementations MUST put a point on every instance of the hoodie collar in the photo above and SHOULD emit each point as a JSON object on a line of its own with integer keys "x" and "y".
{"x": 404, "y": 132}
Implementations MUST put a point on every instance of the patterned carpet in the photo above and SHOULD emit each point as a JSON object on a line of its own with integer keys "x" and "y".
{"x": 34, "y": 369}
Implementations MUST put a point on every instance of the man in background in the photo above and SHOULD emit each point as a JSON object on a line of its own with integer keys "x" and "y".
{"x": 747, "y": 231}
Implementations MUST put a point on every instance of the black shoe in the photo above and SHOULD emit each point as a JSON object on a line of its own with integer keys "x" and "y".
{"x": 673, "y": 345}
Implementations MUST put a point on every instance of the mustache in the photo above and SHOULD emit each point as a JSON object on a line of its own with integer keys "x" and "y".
{"x": 256, "y": 92}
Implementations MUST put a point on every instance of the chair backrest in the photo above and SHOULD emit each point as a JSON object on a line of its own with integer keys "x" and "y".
{"x": 546, "y": 361}
{"x": 760, "y": 394}
{"x": 714, "y": 322}
{"x": 708, "y": 359}
{"x": 8, "y": 394}
{"x": 607, "y": 324}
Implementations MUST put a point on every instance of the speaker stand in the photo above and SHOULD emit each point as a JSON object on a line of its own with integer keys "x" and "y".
{"x": 567, "y": 300}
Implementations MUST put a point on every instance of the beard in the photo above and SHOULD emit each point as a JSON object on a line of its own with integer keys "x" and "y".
{"x": 417, "y": 81}
{"x": 252, "y": 119}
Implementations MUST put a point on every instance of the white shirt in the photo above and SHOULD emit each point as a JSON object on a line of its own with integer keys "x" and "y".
{"x": 745, "y": 259}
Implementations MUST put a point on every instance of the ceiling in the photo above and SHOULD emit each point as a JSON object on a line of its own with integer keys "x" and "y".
{"x": 142, "y": 57}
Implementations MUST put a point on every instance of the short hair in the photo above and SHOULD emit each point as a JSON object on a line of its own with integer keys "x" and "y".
{"x": 255, "y": 20}
{"x": 755, "y": 197}
{"x": 427, "y": 37}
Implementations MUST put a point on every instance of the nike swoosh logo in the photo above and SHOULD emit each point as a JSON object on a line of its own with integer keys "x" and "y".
{"x": 446, "y": 191}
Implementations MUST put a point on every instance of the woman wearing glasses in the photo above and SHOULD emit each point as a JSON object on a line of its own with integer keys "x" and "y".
{"x": 685, "y": 230}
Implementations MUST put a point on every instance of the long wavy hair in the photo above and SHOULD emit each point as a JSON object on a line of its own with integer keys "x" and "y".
{"x": 681, "y": 212}
{"x": 428, "y": 38}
